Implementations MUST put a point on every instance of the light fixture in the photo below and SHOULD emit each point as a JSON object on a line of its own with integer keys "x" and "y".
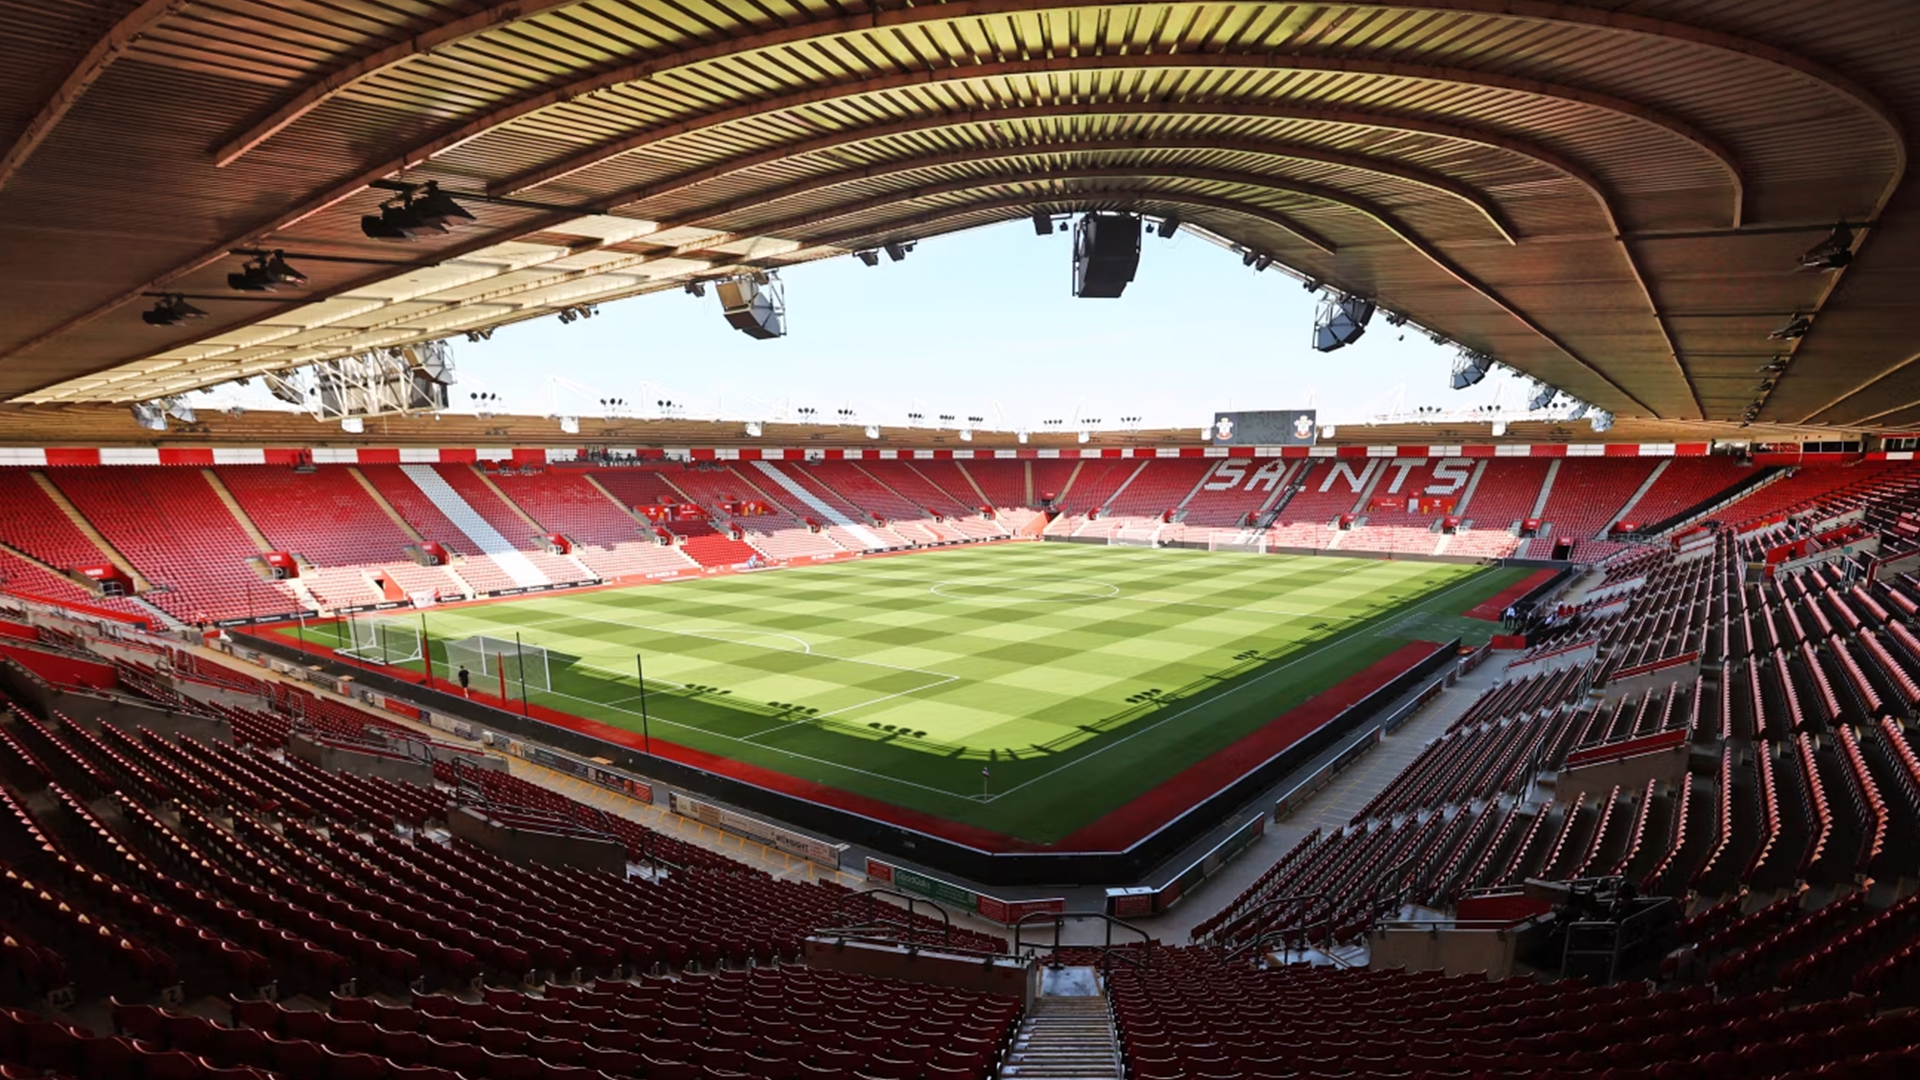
{"x": 1168, "y": 226}
{"x": 485, "y": 333}
{"x": 869, "y": 257}
{"x": 1469, "y": 368}
{"x": 1247, "y": 257}
{"x": 171, "y": 310}
{"x": 1579, "y": 410}
{"x": 1262, "y": 262}
{"x": 695, "y": 288}
{"x": 897, "y": 250}
{"x": 150, "y": 415}
{"x": 437, "y": 209}
{"x": 1042, "y": 223}
{"x": 266, "y": 272}
{"x": 1833, "y": 253}
{"x": 1341, "y": 321}
{"x": 1541, "y": 396}
{"x": 484, "y": 404}
{"x": 1794, "y": 328}
{"x": 1601, "y": 420}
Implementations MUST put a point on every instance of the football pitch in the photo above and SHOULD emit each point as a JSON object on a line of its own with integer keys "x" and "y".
{"x": 1077, "y": 677}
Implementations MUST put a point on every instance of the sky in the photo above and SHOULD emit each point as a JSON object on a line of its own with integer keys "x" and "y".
{"x": 980, "y": 323}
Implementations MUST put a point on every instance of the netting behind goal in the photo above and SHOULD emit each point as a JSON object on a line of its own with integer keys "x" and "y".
{"x": 1237, "y": 541}
{"x": 1134, "y": 538}
{"x": 486, "y": 657}
{"x": 375, "y": 640}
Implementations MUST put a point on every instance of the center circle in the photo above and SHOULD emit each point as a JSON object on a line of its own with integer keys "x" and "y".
{"x": 1024, "y": 591}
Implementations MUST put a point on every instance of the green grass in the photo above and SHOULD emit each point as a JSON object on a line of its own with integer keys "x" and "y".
{"x": 1082, "y": 675}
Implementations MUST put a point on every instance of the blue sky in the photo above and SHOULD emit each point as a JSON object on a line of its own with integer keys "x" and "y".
{"x": 980, "y": 323}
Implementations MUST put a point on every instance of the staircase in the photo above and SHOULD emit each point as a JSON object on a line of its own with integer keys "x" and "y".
{"x": 1068, "y": 1034}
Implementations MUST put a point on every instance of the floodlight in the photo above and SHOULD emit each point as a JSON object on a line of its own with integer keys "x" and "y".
{"x": 1579, "y": 410}
{"x": 868, "y": 257}
{"x": 1168, "y": 226}
{"x": 150, "y": 415}
{"x": 1341, "y": 321}
{"x": 1542, "y": 397}
{"x": 896, "y": 250}
{"x": 1833, "y": 253}
{"x": 171, "y": 310}
{"x": 1794, "y": 329}
{"x": 436, "y": 209}
{"x": 696, "y": 288}
{"x": 1262, "y": 262}
{"x": 1042, "y": 223}
{"x": 1601, "y": 420}
{"x": 1469, "y": 368}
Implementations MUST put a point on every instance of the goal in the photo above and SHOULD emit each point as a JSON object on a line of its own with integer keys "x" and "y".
{"x": 487, "y": 657}
{"x": 377, "y": 640}
{"x": 1145, "y": 538}
{"x": 1244, "y": 540}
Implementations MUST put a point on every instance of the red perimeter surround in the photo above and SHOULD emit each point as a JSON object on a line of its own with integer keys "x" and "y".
{"x": 1490, "y": 608}
{"x": 1116, "y": 831}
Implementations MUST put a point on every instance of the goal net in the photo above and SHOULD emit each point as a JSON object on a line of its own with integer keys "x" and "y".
{"x": 487, "y": 657}
{"x": 1222, "y": 540}
{"x": 1146, "y": 538}
{"x": 381, "y": 640}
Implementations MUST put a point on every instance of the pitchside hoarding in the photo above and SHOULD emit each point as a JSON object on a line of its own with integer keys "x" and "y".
{"x": 1272, "y": 427}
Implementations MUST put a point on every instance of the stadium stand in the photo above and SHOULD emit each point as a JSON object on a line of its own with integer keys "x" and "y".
{"x": 778, "y": 534}
{"x": 1501, "y": 498}
{"x": 174, "y": 527}
{"x": 607, "y": 538}
{"x": 697, "y": 537}
{"x": 1783, "y": 849}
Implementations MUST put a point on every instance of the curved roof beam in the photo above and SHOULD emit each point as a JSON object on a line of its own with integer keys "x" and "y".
{"x": 1722, "y": 157}
{"x": 1543, "y": 11}
{"x": 843, "y": 138}
{"x": 1078, "y": 172}
{"x": 1086, "y": 146}
{"x": 347, "y": 189}
{"x": 1379, "y": 215}
{"x": 91, "y": 66}
{"x": 1424, "y": 178}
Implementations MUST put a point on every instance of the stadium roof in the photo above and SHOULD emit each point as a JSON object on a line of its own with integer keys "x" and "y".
{"x": 1609, "y": 196}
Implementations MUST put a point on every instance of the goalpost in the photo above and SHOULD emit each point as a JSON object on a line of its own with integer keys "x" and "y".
{"x": 380, "y": 640}
{"x": 1147, "y": 538}
{"x": 1221, "y": 540}
{"x": 487, "y": 657}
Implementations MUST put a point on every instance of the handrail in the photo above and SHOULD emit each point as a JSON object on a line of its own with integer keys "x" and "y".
{"x": 1107, "y": 950}
{"x": 914, "y": 903}
{"x": 844, "y": 934}
{"x": 1266, "y": 906}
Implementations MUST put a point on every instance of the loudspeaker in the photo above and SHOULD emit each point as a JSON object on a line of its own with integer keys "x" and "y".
{"x": 750, "y": 309}
{"x": 1106, "y": 252}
